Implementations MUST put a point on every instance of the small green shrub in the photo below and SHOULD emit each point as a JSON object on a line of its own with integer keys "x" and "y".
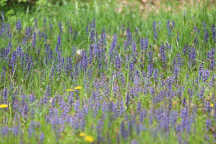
{"x": 10, "y": 7}
{"x": 3, "y": 3}
{"x": 9, "y": 3}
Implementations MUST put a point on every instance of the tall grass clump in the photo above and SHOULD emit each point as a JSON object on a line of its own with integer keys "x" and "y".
{"x": 87, "y": 73}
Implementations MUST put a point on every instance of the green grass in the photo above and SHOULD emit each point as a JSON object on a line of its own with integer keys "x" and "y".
{"x": 96, "y": 80}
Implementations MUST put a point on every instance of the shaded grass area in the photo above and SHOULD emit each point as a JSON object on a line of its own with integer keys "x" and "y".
{"x": 143, "y": 79}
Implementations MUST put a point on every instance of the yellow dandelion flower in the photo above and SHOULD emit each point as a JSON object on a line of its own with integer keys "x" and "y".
{"x": 211, "y": 105}
{"x": 3, "y": 105}
{"x": 82, "y": 134}
{"x": 70, "y": 90}
{"x": 75, "y": 89}
{"x": 78, "y": 88}
{"x": 89, "y": 139}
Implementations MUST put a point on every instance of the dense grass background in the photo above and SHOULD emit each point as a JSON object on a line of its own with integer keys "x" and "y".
{"x": 146, "y": 76}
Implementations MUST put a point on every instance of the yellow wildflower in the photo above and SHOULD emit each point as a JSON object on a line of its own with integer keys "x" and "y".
{"x": 70, "y": 90}
{"x": 3, "y": 105}
{"x": 82, "y": 134}
{"x": 89, "y": 139}
{"x": 211, "y": 105}
{"x": 77, "y": 87}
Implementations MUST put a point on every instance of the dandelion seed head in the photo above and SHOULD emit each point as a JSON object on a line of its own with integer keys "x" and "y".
{"x": 79, "y": 52}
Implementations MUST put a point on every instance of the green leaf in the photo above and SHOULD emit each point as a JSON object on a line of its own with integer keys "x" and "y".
{"x": 10, "y": 12}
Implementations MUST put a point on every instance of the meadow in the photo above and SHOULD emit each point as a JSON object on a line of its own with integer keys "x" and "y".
{"x": 92, "y": 72}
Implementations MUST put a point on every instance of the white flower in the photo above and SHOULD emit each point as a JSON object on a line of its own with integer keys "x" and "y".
{"x": 79, "y": 52}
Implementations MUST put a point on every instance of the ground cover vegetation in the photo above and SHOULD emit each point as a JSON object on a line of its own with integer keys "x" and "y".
{"x": 89, "y": 72}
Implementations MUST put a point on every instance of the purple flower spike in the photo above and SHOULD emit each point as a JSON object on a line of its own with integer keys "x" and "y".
{"x": 2, "y": 16}
{"x": 144, "y": 44}
{"x": 206, "y": 34}
{"x": 123, "y": 130}
{"x": 134, "y": 142}
{"x": 15, "y": 130}
{"x": 60, "y": 27}
{"x": 117, "y": 62}
{"x": 169, "y": 27}
{"x": 155, "y": 30}
{"x": 5, "y": 95}
{"x": 134, "y": 49}
{"x": 4, "y": 130}
{"x": 41, "y": 138}
{"x": 129, "y": 36}
{"x": 113, "y": 45}
{"x": 213, "y": 33}
{"x": 34, "y": 40}
{"x": 18, "y": 25}
{"x": 103, "y": 37}
{"x": 162, "y": 53}
{"x": 150, "y": 70}
{"x": 192, "y": 56}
